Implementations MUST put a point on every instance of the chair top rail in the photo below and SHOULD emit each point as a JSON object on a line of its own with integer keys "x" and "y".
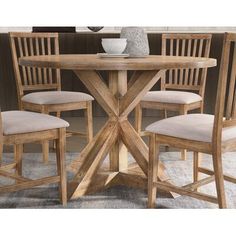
{"x": 186, "y": 36}
{"x": 32, "y": 35}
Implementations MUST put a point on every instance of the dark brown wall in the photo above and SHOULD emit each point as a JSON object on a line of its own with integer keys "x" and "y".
{"x": 91, "y": 43}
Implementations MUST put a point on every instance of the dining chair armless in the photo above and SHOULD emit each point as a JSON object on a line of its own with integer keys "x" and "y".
{"x": 211, "y": 134}
{"x": 20, "y": 127}
{"x": 39, "y": 89}
{"x": 182, "y": 90}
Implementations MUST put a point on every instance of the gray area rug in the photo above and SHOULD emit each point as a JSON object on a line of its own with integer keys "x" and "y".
{"x": 117, "y": 197}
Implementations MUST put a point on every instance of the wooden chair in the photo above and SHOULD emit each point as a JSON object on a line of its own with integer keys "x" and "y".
{"x": 201, "y": 133}
{"x": 182, "y": 90}
{"x": 42, "y": 80}
{"x": 20, "y": 127}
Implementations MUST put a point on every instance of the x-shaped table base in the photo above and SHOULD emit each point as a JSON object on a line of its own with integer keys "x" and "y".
{"x": 117, "y": 135}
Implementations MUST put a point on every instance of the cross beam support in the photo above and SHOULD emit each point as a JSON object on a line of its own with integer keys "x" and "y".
{"x": 117, "y": 135}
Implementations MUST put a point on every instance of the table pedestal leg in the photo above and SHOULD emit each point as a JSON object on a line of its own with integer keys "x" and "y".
{"x": 118, "y": 154}
{"x": 115, "y": 137}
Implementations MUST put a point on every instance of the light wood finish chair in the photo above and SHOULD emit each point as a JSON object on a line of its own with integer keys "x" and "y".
{"x": 20, "y": 127}
{"x": 182, "y": 90}
{"x": 40, "y": 81}
{"x": 201, "y": 133}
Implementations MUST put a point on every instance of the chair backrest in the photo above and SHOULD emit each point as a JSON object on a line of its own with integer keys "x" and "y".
{"x": 225, "y": 109}
{"x": 31, "y": 78}
{"x": 192, "y": 45}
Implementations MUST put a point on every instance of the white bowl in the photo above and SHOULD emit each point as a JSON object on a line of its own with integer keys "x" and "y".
{"x": 114, "y": 45}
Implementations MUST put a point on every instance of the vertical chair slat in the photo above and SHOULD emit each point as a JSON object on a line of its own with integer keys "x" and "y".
{"x": 204, "y": 70}
{"x": 32, "y": 53}
{"x": 196, "y": 79}
{"x": 27, "y": 54}
{"x": 200, "y": 48}
{"x": 163, "y": 52}
{"x": 188, "y": 54}
{"x": 38, "y": 69}
{"x": 177, "y": 47}
{"x": 44, "y": 69}
{"x": 58, "y": 75}
{"x": 177, "y": 54}
{"x": 171, "y": 54}
{"x": 191, "y": 82}
{"x": 21, "y": 55}
{"x": 182, "y": 54}
{"x": 171, "y": 47}
{"x": 49, "y": 53}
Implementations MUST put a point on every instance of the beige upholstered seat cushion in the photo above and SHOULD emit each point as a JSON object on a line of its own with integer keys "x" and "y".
{"x": 56, "y": 97}
{"x": 197, "y": 127}
{"x": 176, "y": 97}
{"x": 19, "y": 122}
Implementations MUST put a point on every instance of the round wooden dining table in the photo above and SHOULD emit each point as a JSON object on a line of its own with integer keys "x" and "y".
{"x": 117, "y": 137}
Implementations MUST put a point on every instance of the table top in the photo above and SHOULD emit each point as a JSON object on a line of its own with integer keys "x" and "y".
{"x": 94, "y": 62}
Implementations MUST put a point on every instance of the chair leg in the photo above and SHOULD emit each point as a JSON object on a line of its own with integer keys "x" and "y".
{"x": 45, "y": 144}
{"x": 219, "y": 178}
{"x": 196, "y": 162}
{"x": 202, "y": 107}
{"x": 152, "y": 170}
{"x": 58, "y": 115}
{"x": 89, "y": 121}
{"x": 18, "y": 151}
{"x": 61, "y": 169}
{"x": 183, "y": 154}
{"x": 165, "y": 115}
{"x": 45, "y": 150}
{"x": 183, "y": 111}
{"x": 138, "y": 118}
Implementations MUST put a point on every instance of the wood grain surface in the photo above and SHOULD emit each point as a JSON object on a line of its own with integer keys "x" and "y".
{"x": 94, "y": 62}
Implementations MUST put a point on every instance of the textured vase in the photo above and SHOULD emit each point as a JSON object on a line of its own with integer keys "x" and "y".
{"x": 137, "y": 41}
